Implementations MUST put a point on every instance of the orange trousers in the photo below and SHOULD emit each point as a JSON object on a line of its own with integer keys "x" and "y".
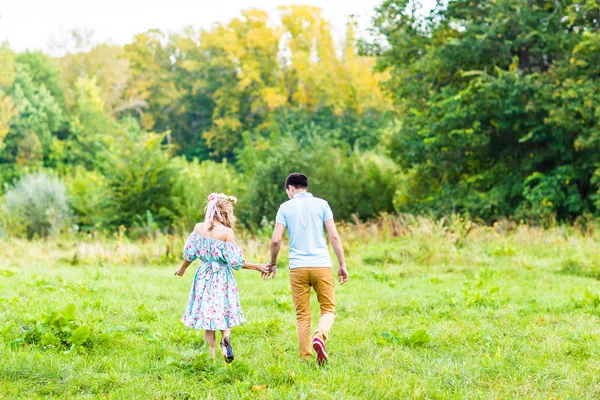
{"x": 321, "y": 279}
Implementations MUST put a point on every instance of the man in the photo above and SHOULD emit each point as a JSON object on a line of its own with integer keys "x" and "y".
{"x": 310, "y": 264}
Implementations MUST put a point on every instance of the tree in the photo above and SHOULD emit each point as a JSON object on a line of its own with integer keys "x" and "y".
{"x": 38, "y": 118}
{"x": 254, "y": 74}
{"x": 478, "y": 92}
{"x": 110, "y": 68}
{"x": 91, "y": 127}
{"x": 45, "y": 71}
{"x": 248, "y": 48}
{"x": 7, "y": 111}
{"x": 7, "y": 76}
{"x": 151, "y": 79}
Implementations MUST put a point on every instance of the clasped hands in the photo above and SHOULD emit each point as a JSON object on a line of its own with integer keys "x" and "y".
{"x": 268, "y": 270}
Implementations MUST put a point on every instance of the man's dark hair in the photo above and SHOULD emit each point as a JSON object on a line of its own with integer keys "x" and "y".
{"x": 297, "y": 180}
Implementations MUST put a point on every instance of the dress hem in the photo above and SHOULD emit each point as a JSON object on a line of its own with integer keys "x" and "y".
{"x": 200, "y": 326}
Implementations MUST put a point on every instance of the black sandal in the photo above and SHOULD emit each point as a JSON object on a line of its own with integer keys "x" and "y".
{"x": 229, "y": 357}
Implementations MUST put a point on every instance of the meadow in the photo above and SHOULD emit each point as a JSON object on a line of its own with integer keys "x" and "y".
{"x": 434, "y": 309}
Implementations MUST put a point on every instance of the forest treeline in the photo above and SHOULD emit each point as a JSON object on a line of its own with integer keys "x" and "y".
{"x": 487, "y": 108}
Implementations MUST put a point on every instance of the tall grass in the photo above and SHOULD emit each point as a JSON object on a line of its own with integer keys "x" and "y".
{"x": 439, "y": 238}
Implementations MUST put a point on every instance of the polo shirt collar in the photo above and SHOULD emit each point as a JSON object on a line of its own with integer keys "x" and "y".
{"x": 302, "y": 194}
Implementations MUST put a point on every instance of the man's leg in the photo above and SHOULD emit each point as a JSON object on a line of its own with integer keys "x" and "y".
{"x": 322, "y": 281}
{"x": 300, "y": 285}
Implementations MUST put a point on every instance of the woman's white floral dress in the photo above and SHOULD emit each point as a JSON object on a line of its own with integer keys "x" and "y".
{"x": 214, "y": 302}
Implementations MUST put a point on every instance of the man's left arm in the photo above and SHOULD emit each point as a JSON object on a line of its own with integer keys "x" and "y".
{"x": 336, "y": 243}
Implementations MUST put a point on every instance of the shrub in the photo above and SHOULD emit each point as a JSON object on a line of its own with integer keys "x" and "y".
{"x": 85, "y": 190}
{"x": 352, "y": 182}
{"x": 62, "y": 330}
{"x": 140, "y": 177}
{"x": 37, "y": 205}
{"x": 195, "y": 181}
{"x": 555, "y": 194}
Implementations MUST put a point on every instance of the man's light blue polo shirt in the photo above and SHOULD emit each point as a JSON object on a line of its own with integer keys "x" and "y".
{"x": 304, "y": 217}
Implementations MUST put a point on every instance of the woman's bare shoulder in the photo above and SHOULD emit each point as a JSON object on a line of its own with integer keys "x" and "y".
{"x": 224, "y": 233}
{"x": 199, "y": 228}
{"x": 230, "y": 235}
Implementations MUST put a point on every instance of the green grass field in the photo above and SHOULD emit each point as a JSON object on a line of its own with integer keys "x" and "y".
{"x": 431, "y": 310}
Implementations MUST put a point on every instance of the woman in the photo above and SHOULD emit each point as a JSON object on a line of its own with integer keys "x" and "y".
{"x": 214, "y": 302}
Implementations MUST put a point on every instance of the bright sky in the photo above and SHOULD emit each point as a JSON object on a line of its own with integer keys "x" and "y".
{"x": 35, "y": 24}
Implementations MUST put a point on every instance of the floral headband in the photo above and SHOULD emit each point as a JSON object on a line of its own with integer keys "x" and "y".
{"x": 212, "y": 211}
{"x": 216, "y": 196}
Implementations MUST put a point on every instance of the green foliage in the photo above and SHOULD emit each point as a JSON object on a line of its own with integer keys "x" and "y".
{"x": 39, "y": 117}
{"x": 578, "y": 267}
{"x": 106, "y": 64}
{"x": 37, "y": 205}
{"x": 91, "y": 126}
{"x": 353, "y": 183}
{"x": 86, "y": 191}
{"x": 350, "y": 128}
{"x": 195, "y": 181}
{"x": 61, "y": 330}
{"x": 485, "y": 108}
{"x": 497, "y": 105}
{"x": 554, "y": 194}
{"x": 7, "y": 76}
{"x": 203, "y": 91}
{"x": 140, "y": 178}
{"x": 7, "y": 66}
{"x": 234, "y": 78}
{"x": 45, "y": 71}
{"x": 418, "y": 338}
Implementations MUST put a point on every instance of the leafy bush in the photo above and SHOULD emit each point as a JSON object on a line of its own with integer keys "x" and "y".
{"x": 37, "y": 205}
{"x": 195, "y": 181}
{"x": 91, "y": 126}
{"x": 418, "y": 338}
{"x": 140, "y": 178}
{"x": 9, "y": 175}
{"x": 85, "y": 190}
{"x": 358, "y": 129}
{"x": 57, "y": 329}
{"x": 552, "y": 194}
{"x": 62, "y": 330}
{"x": 352, "y": 182}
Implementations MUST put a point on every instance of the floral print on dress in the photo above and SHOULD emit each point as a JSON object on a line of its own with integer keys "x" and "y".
{"x": 214, "y": 302}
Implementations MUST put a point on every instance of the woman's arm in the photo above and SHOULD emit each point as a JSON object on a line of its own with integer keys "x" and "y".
{"x": 183, "y": 267}
{"x": 262, "y": 268}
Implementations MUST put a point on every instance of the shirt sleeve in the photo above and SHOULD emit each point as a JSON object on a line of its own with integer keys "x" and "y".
{"x": 327, "y": 213}
{"x": 280, "y": 218}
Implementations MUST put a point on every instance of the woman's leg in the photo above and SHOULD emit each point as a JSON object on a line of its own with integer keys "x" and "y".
{"x": 210, "y": 338}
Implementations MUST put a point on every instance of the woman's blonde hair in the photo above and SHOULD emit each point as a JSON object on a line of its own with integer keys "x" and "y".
{"x": 220, "y": 207}
{"x": 226, "y": 208}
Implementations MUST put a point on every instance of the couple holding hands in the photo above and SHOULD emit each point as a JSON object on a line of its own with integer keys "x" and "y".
{"x": 214, "y": 302}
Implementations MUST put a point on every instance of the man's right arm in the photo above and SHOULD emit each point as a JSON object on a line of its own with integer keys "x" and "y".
{"x": 336, "y": 242}
{"x": 275, "y": 247}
